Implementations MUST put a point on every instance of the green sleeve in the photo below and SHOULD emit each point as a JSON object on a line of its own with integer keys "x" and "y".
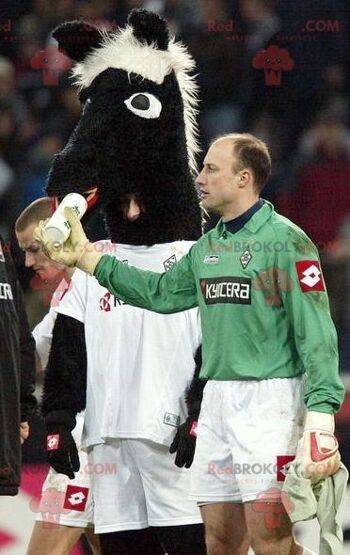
{"x": 307, "y": 306}
{"x": 169, "y": 292}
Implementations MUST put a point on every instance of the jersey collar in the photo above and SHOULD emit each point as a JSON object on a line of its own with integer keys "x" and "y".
{"x": 253, "y": 224}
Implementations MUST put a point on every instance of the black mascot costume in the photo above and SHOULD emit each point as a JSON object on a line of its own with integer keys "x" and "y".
{"x": 132, "y": 154}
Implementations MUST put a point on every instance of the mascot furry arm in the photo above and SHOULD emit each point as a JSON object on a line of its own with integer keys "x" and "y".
{"x": 64, "y": 393}
{"x": 184, "y": 443}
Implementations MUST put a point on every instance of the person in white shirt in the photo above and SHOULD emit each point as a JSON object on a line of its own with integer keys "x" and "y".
{"x": 56, "y": 531}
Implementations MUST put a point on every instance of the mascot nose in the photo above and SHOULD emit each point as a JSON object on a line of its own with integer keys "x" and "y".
{"x": 140, "y": 102}
{"x": 134, "y": 210}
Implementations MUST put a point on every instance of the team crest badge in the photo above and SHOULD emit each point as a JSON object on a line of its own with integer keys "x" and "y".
{"x": 169, "y": 263}
{"x": 245, "y": 258}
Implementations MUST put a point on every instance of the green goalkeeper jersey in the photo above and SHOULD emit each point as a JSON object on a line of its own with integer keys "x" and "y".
{"x": 262, "y": 300}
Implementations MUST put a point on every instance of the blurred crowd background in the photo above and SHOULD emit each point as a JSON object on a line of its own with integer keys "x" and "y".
{"x": 294, "y": 96}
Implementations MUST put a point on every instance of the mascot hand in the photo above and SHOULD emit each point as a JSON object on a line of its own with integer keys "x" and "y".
{"x": 62, "y": 451}
{"x": 184, "y": 443}
{"x": 317, "y": 454}
{"x": 76, "y": 251}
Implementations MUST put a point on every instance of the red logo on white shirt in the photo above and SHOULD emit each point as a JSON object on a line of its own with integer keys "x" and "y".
{"x": 76, "y": 498}
{"x": 105, "y": 302}
{"x": 310, "y": 275}
{"x": 53, "y": 442}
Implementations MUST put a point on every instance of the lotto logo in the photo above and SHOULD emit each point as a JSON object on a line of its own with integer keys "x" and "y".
{"x": 53, "y": 442}
{"x": 310, "y": 275}
{"x": 282, "y": 465}
{"x": 76, "y": 498}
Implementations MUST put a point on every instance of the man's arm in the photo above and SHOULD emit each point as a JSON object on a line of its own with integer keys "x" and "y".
{"x": 315, "y": 336}
{"x": 64, "y": 393}
{"x": 307, "y": 306}
{"x": 170, "y": 292}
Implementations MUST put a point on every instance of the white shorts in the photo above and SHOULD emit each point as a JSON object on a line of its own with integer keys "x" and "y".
{"x": 139, "y": 487}
{"x": 247, "y": 432}
{"x": 68, "y": 502}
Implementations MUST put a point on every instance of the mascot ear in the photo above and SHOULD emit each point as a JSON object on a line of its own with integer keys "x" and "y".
{"x": 150, "y": 28}
{"x": 77, "y": 38}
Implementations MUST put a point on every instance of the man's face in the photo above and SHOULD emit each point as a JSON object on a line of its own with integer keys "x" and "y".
{"x": 34, "y": 257}
{"x": 217, "y": 182}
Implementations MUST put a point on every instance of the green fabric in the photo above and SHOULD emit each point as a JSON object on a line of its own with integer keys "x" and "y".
{"x": 306, "y": 501}
{"x": 256, "y": 321}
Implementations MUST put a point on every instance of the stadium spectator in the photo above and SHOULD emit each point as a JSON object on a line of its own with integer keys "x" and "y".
{"x": 68, "y": 528}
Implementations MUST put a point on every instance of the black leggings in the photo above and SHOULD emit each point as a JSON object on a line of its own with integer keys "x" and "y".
{"x": 173, "y": 540}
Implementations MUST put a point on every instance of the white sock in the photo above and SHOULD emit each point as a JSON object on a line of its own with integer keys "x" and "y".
{"x": 308, "y": 552}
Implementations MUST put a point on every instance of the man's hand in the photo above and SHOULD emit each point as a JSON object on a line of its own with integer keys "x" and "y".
{"x": 317, "y": 453}
{"x": 77, "y": 251}
{"x": 184, "y": 443}
{"x": 23, "y": 431}
{"x": 62, "y": 452}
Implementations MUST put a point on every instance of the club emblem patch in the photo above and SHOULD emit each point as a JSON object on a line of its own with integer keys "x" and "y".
{"x": 169, "y": 263}
{"x": 246, "y": 258}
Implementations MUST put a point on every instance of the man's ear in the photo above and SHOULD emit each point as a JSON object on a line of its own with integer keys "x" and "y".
{"x": 244, "y": 178}
{"x": 76, "y": 39}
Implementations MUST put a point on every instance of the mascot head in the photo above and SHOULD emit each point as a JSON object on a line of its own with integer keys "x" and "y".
{"x": 136, "y": 137}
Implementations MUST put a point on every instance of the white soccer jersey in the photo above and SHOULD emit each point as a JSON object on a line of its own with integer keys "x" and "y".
{"x": 139, "y": 362}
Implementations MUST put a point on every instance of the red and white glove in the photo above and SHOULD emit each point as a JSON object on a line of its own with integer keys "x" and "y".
{"x": 317, "y": 454}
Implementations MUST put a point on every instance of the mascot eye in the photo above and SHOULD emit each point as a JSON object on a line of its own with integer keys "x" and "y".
{"x": 144, "y": 105}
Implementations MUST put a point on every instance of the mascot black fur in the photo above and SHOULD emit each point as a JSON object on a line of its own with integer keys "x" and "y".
{"x": 136, "y": 136}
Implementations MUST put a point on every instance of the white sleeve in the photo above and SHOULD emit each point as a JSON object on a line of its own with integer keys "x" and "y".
{"x": 42, "y": 334}
{"x": 73, "y": 302}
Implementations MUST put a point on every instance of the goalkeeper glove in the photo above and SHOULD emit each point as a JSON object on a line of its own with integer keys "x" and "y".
{"x": 317, "y": 453}
{"x": 184, "y": 443}
{"x": 76, "y": 251}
